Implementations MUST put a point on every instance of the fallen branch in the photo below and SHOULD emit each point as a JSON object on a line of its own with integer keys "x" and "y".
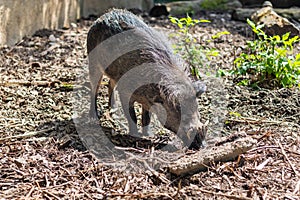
{"x": 62, "y": 85}
{"x": 27, "y": 134}
{"x": 28, "y": 83}
{"x": 203, "y": 158}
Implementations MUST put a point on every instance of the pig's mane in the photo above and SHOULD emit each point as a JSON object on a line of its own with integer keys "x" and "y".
{"x": 174, "y": 82}
{"x": 173, "y": 71}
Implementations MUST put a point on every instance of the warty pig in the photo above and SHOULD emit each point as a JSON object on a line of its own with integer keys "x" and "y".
{"x": 143, "y": 68}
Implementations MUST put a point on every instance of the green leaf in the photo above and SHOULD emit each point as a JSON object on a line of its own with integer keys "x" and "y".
{"x": 286, "y": 36}
{"x": 204, "y": 21}
{"x": 244, "y": 82}
{"x": 214, "y": 53}
{"x": 294, "y": 39}
{"x": 174, "y": 20}
{"x": 221, "y": 73}
{"x": 250, "y": 23}
{"x": 276, "y": 38}
{"x": 219, "y": 34}
{"x": 179, "y": 25}
{"x": 297, "y": 63}
{"x": 236, "y": 114}
{"x": 183, "y": 20}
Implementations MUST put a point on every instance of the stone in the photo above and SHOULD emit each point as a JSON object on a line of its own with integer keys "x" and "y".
{"x": 241, "y": 14}
{"x": 273, "y": 23}
{"x": 221, "y": 5}
{"x": 52, "y": 38}
{"x": 159, "y": 10}
{"x": 276, "y": 3}
{"x": 98, "y": 7}
{"x": 231, "y": 5}
{"x": 183, "y": 7}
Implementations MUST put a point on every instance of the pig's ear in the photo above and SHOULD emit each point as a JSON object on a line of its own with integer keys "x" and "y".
{"x": 199, "y": 87}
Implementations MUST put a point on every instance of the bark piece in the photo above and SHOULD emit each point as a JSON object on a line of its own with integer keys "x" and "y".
{"x": 201, "y": 159}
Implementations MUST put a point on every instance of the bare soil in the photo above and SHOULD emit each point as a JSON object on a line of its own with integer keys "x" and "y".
{"x": 42, "y": 156}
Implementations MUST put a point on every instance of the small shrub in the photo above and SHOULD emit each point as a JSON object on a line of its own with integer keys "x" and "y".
{"x": 192, "y": 52}
{"x": 269, "y": 60}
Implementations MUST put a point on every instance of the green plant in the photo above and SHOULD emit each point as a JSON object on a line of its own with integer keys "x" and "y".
{"x": 192, "y": 52}
{"x": 269, "y": 59}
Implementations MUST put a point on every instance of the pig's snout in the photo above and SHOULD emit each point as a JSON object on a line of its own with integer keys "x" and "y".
{"x": 194, "y": 138}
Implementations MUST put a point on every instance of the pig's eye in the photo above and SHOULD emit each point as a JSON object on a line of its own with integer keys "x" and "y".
{"x": 178, "y": 107}
{"x": 158, "y": 100}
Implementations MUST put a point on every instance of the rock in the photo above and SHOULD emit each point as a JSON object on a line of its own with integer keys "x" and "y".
{"x": 159, "y": 10}
{"x": 220, "y": 5}
{"x": 276, "y": 3}
{"x": 52, "y": 38}
{"x": 274, "y": 24}
{"x": 231, "y": 5}
{"x": 183, "y": 7}
{"x": 98, "y": 7}
{"x": 241, "y": 14}
{"x": 73, "y": 25}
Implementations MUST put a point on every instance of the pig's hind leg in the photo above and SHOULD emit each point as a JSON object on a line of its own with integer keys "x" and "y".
{"x": 94, "y": 114}
{"x": 95, "y": 80}
{"x": 129, "y": 112}
{"x": 112, "y": 95}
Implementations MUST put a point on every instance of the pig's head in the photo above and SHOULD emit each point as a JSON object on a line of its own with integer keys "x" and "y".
{"x": 182, "y": 113}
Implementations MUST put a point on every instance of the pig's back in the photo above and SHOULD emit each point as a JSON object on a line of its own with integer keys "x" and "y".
{"x": 148, "y": 46}
{"x": 111, "y": 23}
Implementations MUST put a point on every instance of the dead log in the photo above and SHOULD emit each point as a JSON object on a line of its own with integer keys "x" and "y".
{"x": 223, "y": 152}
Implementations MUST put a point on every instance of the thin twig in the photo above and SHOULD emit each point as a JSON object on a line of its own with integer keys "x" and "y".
{"x": 27, "y": 134}
{"x": 297, "y": 187}
{"x": 142, "y": 196}
{"x": 271, "y": 147}
{"x": 50, "y": 194}
{"x": 287, "y": 158}
{"x": 260, "y": 121}
{"x": 225, "y": 195}
{"x": 71, "y": 85}
{"x": 29, "y": 193}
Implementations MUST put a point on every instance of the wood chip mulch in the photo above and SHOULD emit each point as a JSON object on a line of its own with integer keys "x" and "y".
{"x": 42, "y": 157}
